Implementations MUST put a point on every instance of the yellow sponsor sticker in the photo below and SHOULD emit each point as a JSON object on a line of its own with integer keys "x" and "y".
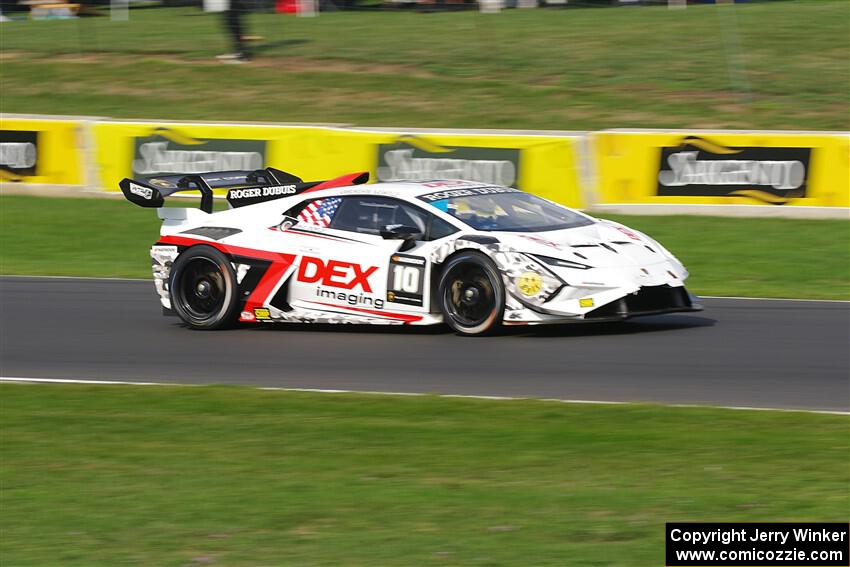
{"x": 262, "y": 313}
{"x": 586, "y": 302}
{"x": 529, "y": 283}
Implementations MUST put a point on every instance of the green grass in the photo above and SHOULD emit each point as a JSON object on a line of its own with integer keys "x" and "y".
{"x": 771, "y": 65}
{"x": 100, "y": 475}
{"x": 75, "y": 237}
{"x": 726, "y": 256}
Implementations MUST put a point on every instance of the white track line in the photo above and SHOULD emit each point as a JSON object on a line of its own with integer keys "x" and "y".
{"x": 19, "y": 379}
{"x": 82, "y": 381}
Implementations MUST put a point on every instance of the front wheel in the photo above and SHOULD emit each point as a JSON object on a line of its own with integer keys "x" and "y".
{"x": 471, "y": 294}
{"x": 203, "y": 288}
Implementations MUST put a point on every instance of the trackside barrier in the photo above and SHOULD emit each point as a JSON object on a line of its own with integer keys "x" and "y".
{"x": 145, "y": 149}
{"x": 43, "y": 150}
{"x": 543, "y": 163}
{"x": 698, "y": 168}
{"x": 639, "y": 171}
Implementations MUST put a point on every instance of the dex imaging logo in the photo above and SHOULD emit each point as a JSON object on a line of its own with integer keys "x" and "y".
{"x": 700, "y": 168}
{"x": 335, "y": 273}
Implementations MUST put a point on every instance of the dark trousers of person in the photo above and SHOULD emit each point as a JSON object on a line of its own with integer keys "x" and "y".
{"x": 233, "y": 21}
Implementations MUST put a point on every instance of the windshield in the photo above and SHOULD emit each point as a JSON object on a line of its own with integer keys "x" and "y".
{"x": 514, "y": 211}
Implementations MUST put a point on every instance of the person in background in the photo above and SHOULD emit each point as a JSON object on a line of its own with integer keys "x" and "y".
{"x": 233, "y": 22}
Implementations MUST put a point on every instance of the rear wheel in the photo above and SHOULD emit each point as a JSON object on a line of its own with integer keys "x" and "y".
{"x": 471, "y": 294}
{"x": 203, "y": 288}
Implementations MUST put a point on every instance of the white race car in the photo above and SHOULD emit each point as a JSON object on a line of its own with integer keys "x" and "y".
{"x": 472, "y": 255}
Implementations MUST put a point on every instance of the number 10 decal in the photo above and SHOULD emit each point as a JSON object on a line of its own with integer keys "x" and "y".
{"x": 406, "y": 279}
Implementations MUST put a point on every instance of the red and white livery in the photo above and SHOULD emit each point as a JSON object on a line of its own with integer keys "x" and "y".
{"x": 471, "y": 255}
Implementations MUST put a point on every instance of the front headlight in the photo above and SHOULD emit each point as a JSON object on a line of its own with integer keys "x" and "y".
{"x": 562, "y": 263}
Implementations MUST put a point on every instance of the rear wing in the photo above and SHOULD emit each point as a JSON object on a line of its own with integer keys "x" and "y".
{"x": 244, "y": 187}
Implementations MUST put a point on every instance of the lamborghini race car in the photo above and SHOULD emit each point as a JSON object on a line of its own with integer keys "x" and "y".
{"x": 475, "y": 256}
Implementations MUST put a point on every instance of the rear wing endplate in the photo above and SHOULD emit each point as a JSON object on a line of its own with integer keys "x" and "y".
{"x": 144, "y": 194}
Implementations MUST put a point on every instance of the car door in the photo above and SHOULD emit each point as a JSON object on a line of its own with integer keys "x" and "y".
{"x": 408, "y": 266}
{"x": 343, "y": 262}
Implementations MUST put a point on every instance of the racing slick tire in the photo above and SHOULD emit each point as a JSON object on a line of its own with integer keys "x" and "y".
{"x": 204, "y": 289}
{"x": 471, "y": 294}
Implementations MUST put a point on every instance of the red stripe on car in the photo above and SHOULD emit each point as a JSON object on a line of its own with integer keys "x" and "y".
{"x": 280, "y": 263}
{"x": 398, "y": 316}
{"x": 341, "y": 181}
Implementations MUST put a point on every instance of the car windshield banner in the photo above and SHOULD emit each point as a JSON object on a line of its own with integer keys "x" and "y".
{"x": 18, "y": 154}
{"x": 413, "y": 158}
{"x": 169, "y": 151}
{"x": 700, "y": 168}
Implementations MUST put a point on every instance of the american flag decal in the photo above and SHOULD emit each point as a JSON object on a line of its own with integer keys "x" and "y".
{"x": 320, "y": 212}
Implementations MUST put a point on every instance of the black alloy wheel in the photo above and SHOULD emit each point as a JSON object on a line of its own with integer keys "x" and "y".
{"x": 203, "y": 288}
{"x": 471, "y": 294}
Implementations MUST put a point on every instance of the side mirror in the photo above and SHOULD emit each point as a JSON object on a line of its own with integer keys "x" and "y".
{"x": 409, "y": 234}
{"x": 287, "y": 223}
{"x": 400, "y": 232}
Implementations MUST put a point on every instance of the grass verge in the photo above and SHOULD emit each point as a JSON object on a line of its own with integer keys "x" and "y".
{"x": 726, "y": 256}
{"x": 106, "y": 475}
{"x": 576, "y": 69}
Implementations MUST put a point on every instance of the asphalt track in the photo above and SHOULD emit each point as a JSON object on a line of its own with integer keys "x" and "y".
{"x": 738, "y": 352}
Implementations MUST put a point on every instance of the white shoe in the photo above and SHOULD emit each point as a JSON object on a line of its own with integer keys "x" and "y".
{"x": 230, "y": 56}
